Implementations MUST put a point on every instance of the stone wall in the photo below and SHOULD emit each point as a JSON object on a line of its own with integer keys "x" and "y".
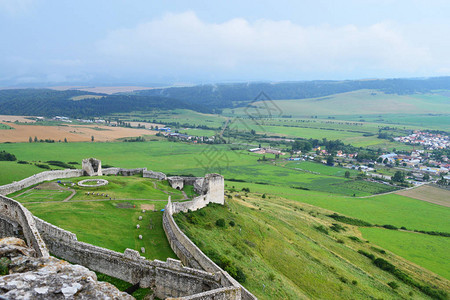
{"x": 154, "y": 175}
{"x": 38, "y": 178}
{"x": 123, "y": 172}
{"x": 191, "y": 255}
{"x": 12, "y": 210}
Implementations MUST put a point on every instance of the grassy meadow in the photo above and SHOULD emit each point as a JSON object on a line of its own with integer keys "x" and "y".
{"x": 414, "y": 247}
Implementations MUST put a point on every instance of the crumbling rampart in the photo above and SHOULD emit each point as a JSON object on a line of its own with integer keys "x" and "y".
{"x": 11, "y": 210}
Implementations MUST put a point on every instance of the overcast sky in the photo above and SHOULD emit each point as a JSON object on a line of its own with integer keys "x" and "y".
{"x": 143, "y": 42}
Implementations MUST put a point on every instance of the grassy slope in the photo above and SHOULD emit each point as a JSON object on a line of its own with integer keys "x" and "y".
{"x": 284, "y": 257}
{"x": 414, "y": 247}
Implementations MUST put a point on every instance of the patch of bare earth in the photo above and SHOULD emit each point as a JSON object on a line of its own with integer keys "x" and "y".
{"x": 148, "y": 206}
{"x": 73, "y": 133}
{"x": 428, "y": 193}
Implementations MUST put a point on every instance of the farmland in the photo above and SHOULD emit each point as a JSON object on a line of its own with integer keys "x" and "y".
{"x": 73, "y": 133}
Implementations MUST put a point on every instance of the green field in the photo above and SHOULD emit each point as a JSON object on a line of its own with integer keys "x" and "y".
{"x": 42, "y": 196}
{"x": 106, "y": 225}
{"x": 320, "y": 168}
{"x": 414, "y": 247}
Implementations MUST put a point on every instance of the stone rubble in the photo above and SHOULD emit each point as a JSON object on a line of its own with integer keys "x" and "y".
{"x": 48, "y": 278}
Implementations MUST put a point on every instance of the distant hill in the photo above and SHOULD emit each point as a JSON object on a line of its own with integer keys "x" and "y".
{"x": 45, "y": 102}
{"x": 211, "y": 98}
{"x": 239, "y": 94}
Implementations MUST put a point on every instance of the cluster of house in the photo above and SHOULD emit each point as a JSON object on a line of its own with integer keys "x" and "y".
{"x": 266, "y": 151}
{"x": 428, "y": 140}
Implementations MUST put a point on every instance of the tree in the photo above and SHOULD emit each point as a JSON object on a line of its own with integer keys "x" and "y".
{"x": 30, "y": 140}
{"x": 330, "y": 160}
{"x": 65, "y": 140}
{"x": 426, "y": 177}
{"x": 385, "y": 161}
{"x": 399, "y": 177}
{"x": 347, "y": 174}
{"x": 92, "y": 138}
{"x": 35, "y": 139}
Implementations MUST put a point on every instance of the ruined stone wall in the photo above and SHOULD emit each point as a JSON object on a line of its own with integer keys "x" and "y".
{"x": 154, "y": 175}
{"x": 38, "y": 178}
{"x": 16, "y": 212}
{"x": 192, "y": 256}
{"x": 225, "y": 293}
{"x": 10, "y": 228}
{"x": 123, "y": 172}
{"x": 168, "y": 279}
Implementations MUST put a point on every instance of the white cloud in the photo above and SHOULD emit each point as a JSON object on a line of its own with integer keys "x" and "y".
{"x": 183, "y": 42}
{"x": 15, "y": 7}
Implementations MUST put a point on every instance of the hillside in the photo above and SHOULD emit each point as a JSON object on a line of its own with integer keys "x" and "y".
{"x": 290, "y": 250}
{"x": 363, "y": 102}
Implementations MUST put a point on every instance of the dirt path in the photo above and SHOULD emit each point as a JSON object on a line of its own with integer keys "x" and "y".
{"x": 185, "y": 197}
{"x": 102, "y": 200}
{"x": 392, "y": 192}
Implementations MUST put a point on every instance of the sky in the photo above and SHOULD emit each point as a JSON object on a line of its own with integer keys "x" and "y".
{"x": 119, "y": 42}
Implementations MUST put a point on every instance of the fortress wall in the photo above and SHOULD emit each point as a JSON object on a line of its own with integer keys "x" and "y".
{"x": 186, "y": 250}
{"x": 154, "y": 175}
{"x": 10, "y": 228}
{"x": 54, "y": 231}
{"x": 168, "y": 279}
{"x": 38, "y": 178}
{"x": 13, "y": 210}
{"x": 123, "y": 172}
{"x": 225, "y": 293}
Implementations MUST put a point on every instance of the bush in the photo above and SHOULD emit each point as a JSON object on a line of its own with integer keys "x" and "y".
{"x": 321, "y": 228}
{"x": 246, "y": 190}
{"x": 367, "y": 254}
{"x": 5, "y": 156}
{"x": 384, "y": 265}
{"x": 271, "y": 277}
{"x": 22, "y": 162}
{"x": 354, "y": 238}
{"x": 220, "y": 223}
{"x": 337, "y": 227}
{"x": 393, "y": 285}
{"x": 42, "y": 166}
{"x": 388, "y": 226}
{"x": 350, "y": 221}
{"x": 232, "y": 223}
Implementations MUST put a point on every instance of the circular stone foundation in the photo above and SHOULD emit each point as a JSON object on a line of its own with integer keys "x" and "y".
{"x": 98, "y": 182}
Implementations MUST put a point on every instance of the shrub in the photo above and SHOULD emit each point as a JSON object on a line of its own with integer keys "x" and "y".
{"x": 42, "y": 166}
{"x": 384, "y": 265}
{"x": 271, "y": 277}
{"x": 354, "y": 238}
{"x": 264, "y": 196}
{"x": 378, "y": 250}
{"x": 220, "y": 223}
{"x": 367, "y": 254}
{"x": 232, "y": 223}
{"x": 5, "y": 156}
{"x": 388, "y": 226}
{"x": 245, "y": 189}
{"x": 340, "y": 241}
{"x": 393, "y": 285}
{"x": 354, "y": 282}
{"x": 22, "y": 162}
{"x": 321, "y": 228}
{"x": 4, "y": 266}
{"x": 350, "y": 221}
{"x": 337, "y": 227}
